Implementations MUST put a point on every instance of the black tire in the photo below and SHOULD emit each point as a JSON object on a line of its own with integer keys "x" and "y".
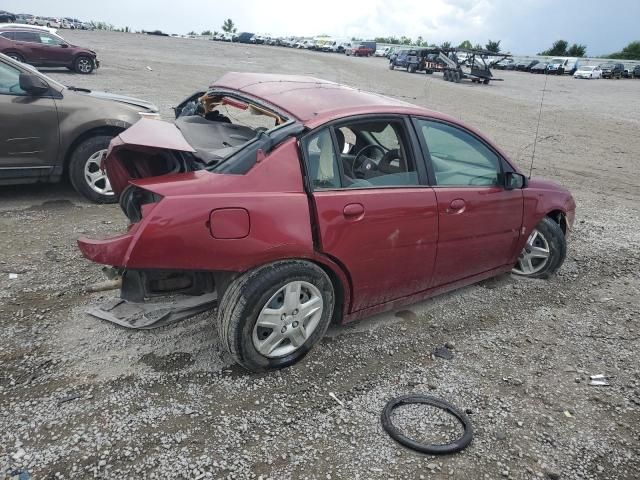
{"x": 84, "y": 64}
{"x": 445, "y": 76}
{"x": 391, "y": 66}
{"x": 246, "y": 296}
{"x": 554, "y": 236}
{"x": 16, "y": 56}
{"x": 412, "y": 69}
{"x": 456, "y": 77}
{"x": 79, "y": 159}
{"x": 430, "y": 449}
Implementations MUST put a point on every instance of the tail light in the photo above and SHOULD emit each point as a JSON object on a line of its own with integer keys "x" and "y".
{"x": 133, "y": 200}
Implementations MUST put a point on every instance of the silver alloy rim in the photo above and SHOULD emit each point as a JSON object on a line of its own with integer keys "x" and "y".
{"x": 84, "y": 65}
{"x": 15, "y": 57}
{"x": 288, "y": 319}
{"x": 534, "y": 255}
{"x": 95, "y": 177}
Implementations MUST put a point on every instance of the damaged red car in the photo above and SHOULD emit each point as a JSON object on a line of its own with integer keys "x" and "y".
{"x": 298, "y": 202}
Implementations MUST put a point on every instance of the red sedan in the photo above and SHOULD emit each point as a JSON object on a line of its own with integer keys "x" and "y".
{"x": 303, "y": 202}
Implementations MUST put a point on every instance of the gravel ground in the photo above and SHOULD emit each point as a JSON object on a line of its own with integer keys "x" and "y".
{"x": 80, "y": 398}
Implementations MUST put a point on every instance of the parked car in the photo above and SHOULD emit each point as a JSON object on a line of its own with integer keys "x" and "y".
{"x": 628, "y": 71}
{"x": 400, "y": 59}
{"x": 588, "y": 71}
{"x": 540, "y": 67}
{"x": 527, "y": 66}
{"x": 350, "y": 204}
{"x": 7, "y": 17}
{"x": 244, "y": 37}
{"x": 636, "y": 71}
{"x": 14, "y": 26}
{"x": 382, "y": 52}
{"x": 505, "y": 64}
{"x": 556, "y": 66}
{"x": 612, "y": 70}
{"x": 359, "y": 50}
{"x": 48, "y": 131}
{"x": 44, "y": 49}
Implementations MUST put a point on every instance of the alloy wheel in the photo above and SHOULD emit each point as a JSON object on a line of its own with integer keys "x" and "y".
{"x": 94, "y": 175}
{"x": 288, "y": 319}
{"x": 84, "y": 65}
{"x": 534, "y": 255}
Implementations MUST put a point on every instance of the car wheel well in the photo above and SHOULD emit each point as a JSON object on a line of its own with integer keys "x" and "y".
{"x": 338, "y": 289}
{"x": 560, "y": 218}
{"x": 105, "y": 130}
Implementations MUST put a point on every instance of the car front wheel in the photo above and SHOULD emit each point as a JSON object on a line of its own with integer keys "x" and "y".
{"x": 85, "y": 170}
{"x": 84, "y": 65}
{"x": 16, "y": 56}
{"x": 271, "y": 316}
{"x": 544, "y": 252}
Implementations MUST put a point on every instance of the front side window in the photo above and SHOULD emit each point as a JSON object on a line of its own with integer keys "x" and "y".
{"x": 49, "y": 39}
{"x": 459, "y": 158}
{"x": 31, "y": 37}
{"x": 368, "y": 154}
{"x": 10, "y": 80}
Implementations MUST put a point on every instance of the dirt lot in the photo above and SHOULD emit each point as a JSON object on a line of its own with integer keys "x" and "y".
{"x": 80, "y": 398}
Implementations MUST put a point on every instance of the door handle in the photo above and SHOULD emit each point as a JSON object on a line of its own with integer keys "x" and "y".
{"x": 353, "y": 211}
{"x": 456, "y": 206}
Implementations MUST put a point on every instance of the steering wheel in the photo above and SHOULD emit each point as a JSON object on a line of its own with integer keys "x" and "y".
{"x": 385, "y": 166}
{"x": 366, "y": 165}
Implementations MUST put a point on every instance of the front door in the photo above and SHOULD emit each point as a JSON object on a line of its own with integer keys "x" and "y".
{"x": 29, "y": 138}
{"x": 479, "y": 220}
{"x": 375, "y": 215}
{"x": 52, "y": 53}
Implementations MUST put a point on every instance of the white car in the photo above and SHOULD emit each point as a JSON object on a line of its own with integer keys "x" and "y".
{"x": 588, "y": 71}
{"x": 27, "y": 25}
{"x": 382, "y": 52}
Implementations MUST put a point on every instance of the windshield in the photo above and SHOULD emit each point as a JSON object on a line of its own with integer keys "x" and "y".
{"x": 557, "y": 60}
{"x": 607, "y": 65}
{"x": 587, "y": 68}
{"x": 56, "y": 85}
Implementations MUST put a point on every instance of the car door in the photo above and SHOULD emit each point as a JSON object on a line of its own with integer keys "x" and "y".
{"x": 54, "y": 51}
{"x": 382, "y": 230}
{"x": 479, "y": 220}
{"x": 26, "y": 44}
{"x": 29, "y": 138}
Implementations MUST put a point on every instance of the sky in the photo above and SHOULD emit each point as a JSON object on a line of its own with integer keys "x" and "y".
{"x": 522, "y": 26}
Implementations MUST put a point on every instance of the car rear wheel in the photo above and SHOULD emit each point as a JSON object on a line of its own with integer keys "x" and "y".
{"x": 271, "y": 316}
{"x": 544, "y": 252}
{"x": 85, "y": 170}
{"x": 84, "y": 64}
{"x": 16, "y": 56}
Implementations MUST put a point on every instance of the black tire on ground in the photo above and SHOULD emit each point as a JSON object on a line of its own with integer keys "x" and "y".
{"x": 16, "y": 56}
{"x": 245, "y": 298}
{"x": 83, "y": 64}
{"x": 391, "y": 67}
{"x": 486, "y": 81}
{"x": 456, "y": 77}
{"x": 553, "y": 234}
{"x": 412, "y": 69}
{"x": 445, "y": 76}
{"x": 79, "y": 159}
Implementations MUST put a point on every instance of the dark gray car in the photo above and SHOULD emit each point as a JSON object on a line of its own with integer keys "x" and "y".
{"x": 48, "y": 130}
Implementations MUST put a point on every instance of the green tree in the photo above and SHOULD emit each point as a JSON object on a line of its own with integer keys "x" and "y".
{"x": 630, "y": 52}
{"x": 493, "y": 46}
{"x": 405, "y": 40}
{"x": 577, "y": 50}
{"x": 445, "y": 45}
{"x": 228, "y": 26}
{"x": 419, "y": 40}
{"x": 477, "y": 46}
{"x": 558, "y": 49}
{"x": 465, "y": 44}
{"x": 206, "y": 32}
{"x": 192, "y": 33}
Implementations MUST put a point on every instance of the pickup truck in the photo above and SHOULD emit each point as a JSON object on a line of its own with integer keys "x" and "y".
{"x": 361, "y": 51}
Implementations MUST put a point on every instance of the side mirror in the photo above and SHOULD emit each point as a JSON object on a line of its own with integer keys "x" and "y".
{"x": 64, "y": 45}
{"x": 33, "y": 84}
{"x": 514, "y": 180}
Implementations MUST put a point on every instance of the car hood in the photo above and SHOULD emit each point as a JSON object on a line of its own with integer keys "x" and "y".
{"x": 136, "y": 102}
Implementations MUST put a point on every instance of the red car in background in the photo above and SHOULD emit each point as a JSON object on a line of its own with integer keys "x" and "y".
{"x": 341, "y": 204}
{"x": 41, "y": 48}
{"x": 360, "y": 51}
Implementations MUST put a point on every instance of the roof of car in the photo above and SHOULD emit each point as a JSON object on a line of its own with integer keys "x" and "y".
{"x": 313, "y": 101}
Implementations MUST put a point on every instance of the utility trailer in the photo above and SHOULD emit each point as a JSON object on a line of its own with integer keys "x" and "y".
{"x": 471, "y": 63}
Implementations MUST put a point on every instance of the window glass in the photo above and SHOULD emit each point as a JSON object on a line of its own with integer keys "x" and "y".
{"x": 323, "y": 165}
{"x": 459, "y": 158}
{"x": 49, "y": 39}
{"x": 26, "y": 37}
{"x": 10, "y": 80}
{"x": 9, "y": 35}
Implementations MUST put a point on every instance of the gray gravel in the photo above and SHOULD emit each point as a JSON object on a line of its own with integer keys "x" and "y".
{"x": 80, "y": 398}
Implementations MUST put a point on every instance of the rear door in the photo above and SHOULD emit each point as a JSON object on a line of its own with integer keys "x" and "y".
{"x": 29, "y": 138}
{"x": 479, "y": 220}
{"x": 380, "y": 225}
{"x": 26, "y": 44}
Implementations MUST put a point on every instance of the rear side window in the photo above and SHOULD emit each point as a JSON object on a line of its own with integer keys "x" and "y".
{"x": 8, "y": 35}
{"x": 26, "y": 37}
